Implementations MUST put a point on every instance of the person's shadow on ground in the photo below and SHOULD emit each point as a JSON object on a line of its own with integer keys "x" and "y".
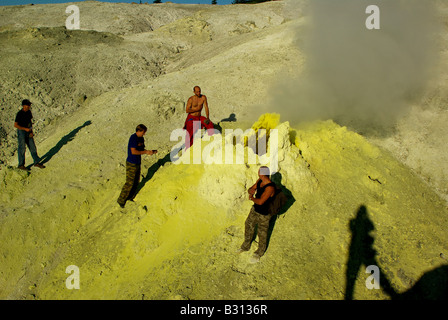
{"x": 277, "y": 179}
{"x": 231, "y": 118}
{"x": 64, "y": 140}
{"x": 156, "y": 166}
{"x": 433, "y": 285}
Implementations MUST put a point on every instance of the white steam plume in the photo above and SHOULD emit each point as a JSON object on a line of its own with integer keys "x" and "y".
{"x": 358, "y": 77}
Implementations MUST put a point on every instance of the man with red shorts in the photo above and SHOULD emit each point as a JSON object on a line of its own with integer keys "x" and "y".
{"x": 194, "y": 120}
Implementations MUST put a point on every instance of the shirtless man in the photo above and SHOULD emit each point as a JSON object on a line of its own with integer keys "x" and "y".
{"x": 194, "y": 108}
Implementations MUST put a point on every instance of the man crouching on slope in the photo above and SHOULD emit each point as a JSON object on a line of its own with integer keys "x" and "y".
{"x": 136, "y": 147}
{"x": 194, "y": 108}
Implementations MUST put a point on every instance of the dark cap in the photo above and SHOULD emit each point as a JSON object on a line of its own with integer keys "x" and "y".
{"x": 26, "y": 102}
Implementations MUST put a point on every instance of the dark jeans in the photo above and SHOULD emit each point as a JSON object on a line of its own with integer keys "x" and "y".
{"x": 24, "y": 140}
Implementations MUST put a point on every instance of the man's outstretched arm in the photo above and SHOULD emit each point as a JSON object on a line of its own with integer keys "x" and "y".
{"x": 136, "y": 152}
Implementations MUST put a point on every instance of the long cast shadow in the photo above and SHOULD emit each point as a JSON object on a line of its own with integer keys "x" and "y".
{"x": 277, "y": 179}
{"x": 433, "y": 285}
{"x": 64, "y": 140}
{"x": 361, "y": 252}
{"x": 153, "y": 169}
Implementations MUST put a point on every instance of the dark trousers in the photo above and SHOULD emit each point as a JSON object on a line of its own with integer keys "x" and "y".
{"x": 131, "y": 184}
{"x": 252, "y": 221}
{"x": 24, "y": 140}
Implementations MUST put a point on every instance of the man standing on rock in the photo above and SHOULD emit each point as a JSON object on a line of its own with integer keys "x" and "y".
{"x": 23, "y": 124}
{"x": 194, "y": 120}
{"x": 136, "y": 147}
{"x": 264, "y": 190}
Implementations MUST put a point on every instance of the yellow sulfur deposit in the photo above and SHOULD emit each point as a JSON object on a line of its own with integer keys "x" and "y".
{"x": 267, "y": 121}
{"x": 178, "y": 239}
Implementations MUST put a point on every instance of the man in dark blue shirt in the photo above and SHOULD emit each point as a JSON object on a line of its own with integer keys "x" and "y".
{"x": 23, "y": 124}
{"x": 136, "y": 147}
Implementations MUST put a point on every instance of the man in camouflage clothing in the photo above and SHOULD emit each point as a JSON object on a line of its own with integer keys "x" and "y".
{"x": 136, "y": 147}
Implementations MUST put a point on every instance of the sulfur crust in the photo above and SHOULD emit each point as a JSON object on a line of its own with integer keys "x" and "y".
{"x": 178, "y": 239}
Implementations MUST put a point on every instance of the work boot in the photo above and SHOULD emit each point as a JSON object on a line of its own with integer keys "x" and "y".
{"x": 241, "y": 250}
{"x": 255, "y": 258}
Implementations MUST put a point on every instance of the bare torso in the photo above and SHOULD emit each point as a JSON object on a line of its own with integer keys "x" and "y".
{"x": 196, "y": 104}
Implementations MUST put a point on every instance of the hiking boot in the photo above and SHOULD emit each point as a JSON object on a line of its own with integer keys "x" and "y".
{"x": 22, "y": 167}
{"x": 241, "y": 250}
{"x": 39, "y": 165}
{"x": 255, "y": 258}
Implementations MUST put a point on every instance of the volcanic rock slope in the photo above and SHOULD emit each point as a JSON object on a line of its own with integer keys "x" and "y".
{"x": 352, "y": 203}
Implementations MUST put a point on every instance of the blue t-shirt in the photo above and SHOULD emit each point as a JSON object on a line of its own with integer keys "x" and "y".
{"x": 23, "y": 118}
{"x": 137, "y": 143}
